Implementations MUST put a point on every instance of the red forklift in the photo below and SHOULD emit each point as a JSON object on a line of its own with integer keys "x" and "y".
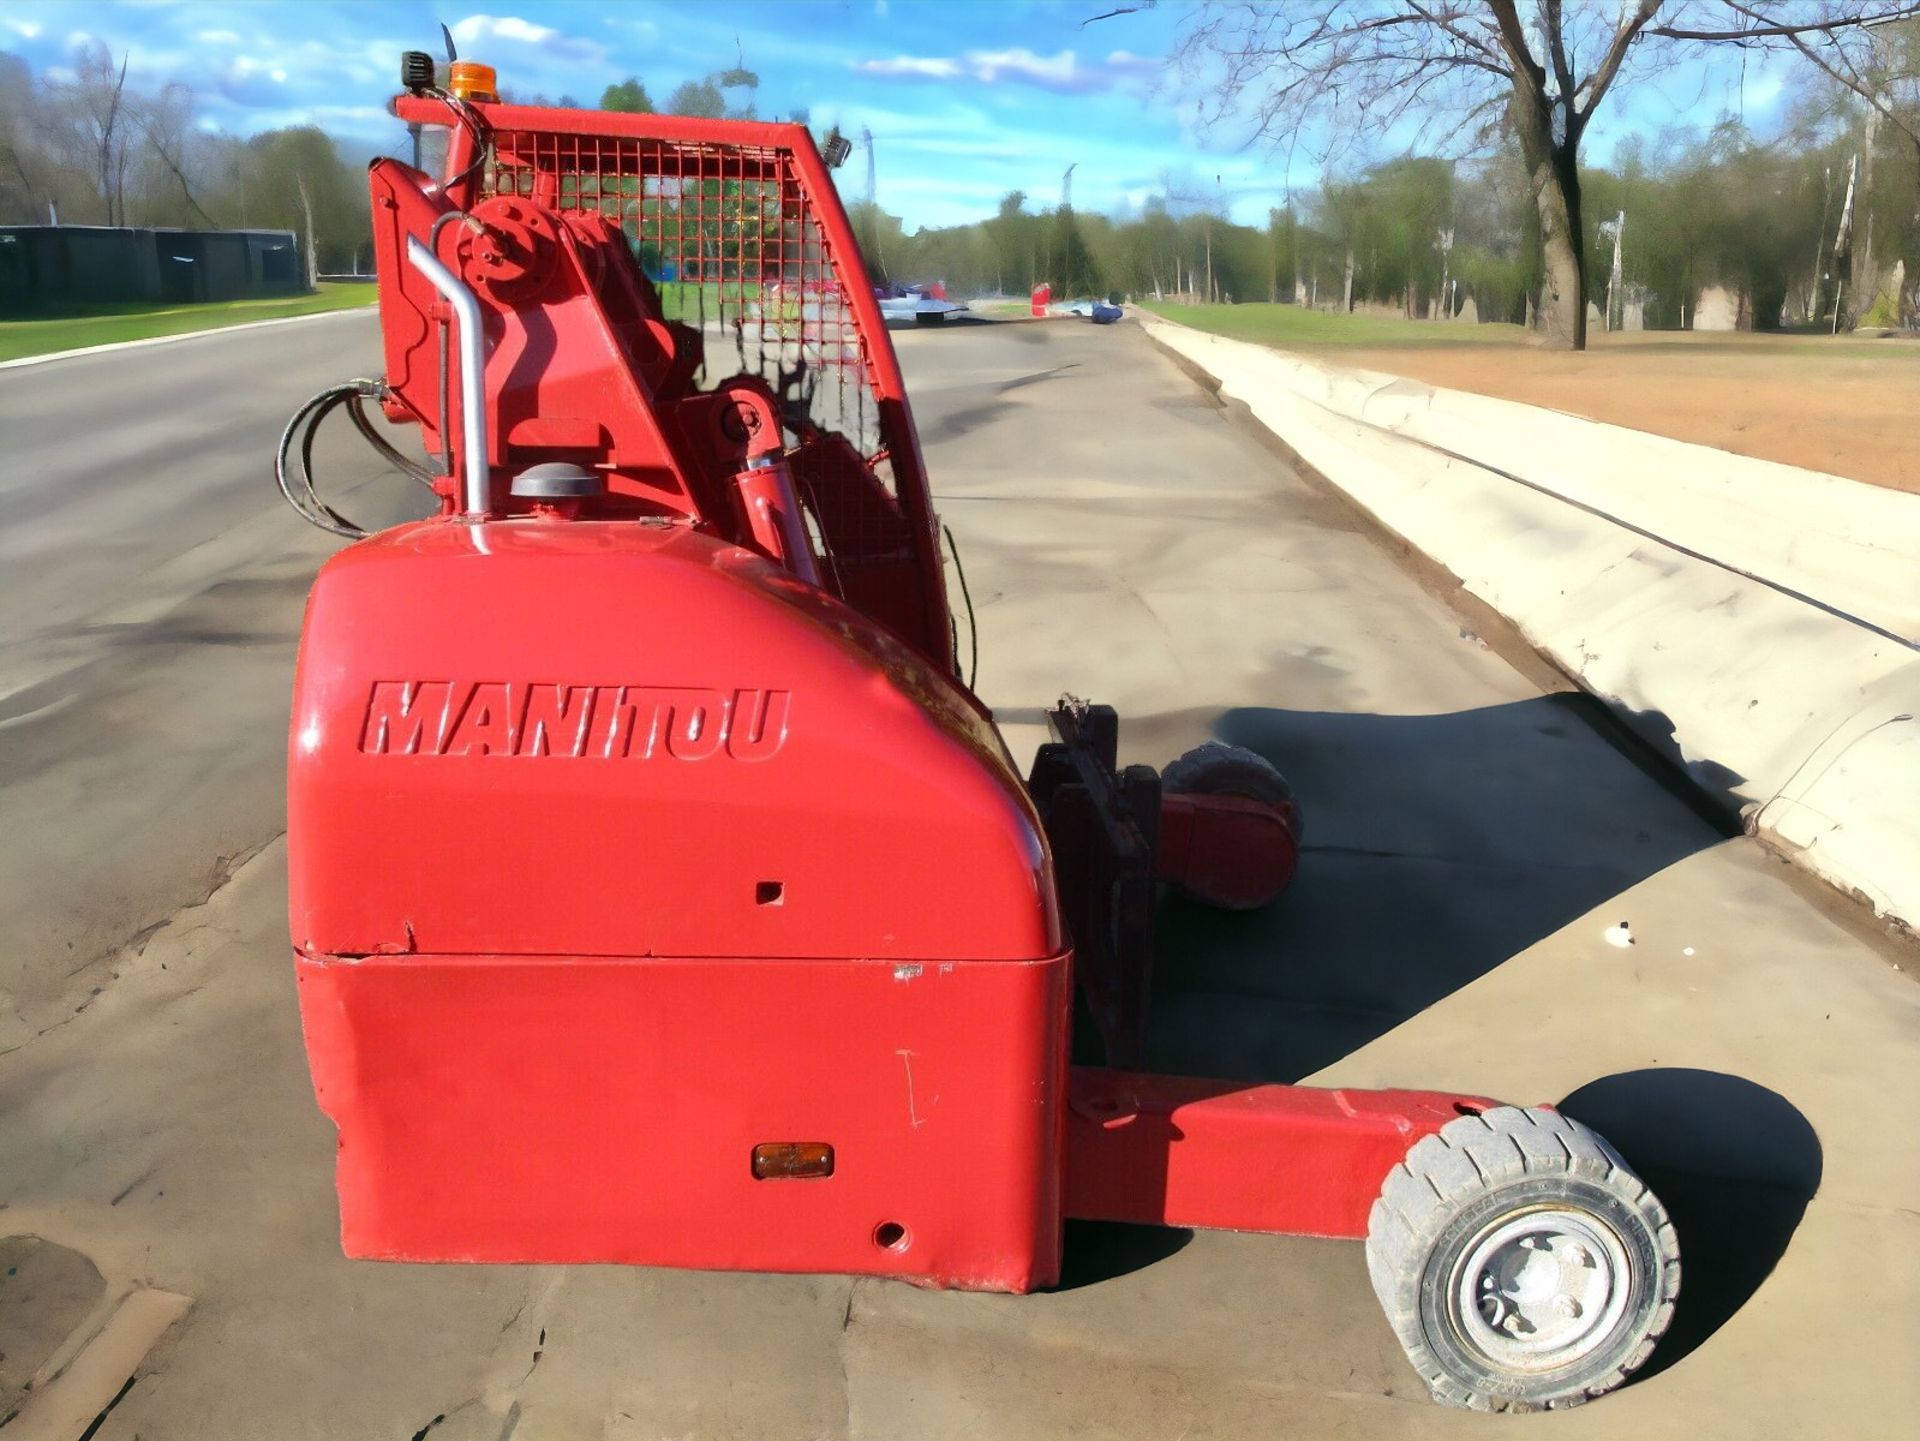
{"x": 661, "y": 892}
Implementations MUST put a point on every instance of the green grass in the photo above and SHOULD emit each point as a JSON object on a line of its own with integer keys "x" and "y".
{"x": 688, "y": 301}
{"x": 1296, "y": 325}
{"x": 106, "y": 324}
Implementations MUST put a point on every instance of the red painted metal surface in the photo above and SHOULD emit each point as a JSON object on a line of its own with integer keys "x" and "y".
{"x": 1233, "y": 851}
{"x": 593, "y": 362}
{"x": 1233, "y": 1156}
{"x": 579, "y": 1109}
{"x": 523, "y": 776}
{"x": 600, "y": 738}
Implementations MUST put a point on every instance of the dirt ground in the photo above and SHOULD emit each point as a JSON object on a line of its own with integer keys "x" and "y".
{"x": 1847, "y": 407}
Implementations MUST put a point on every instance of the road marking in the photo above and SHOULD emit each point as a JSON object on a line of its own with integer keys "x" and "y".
{"x": 183, "y": 335}
{"x": 90, "y": 1385}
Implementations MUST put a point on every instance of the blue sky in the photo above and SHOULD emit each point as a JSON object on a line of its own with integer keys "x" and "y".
{"x": 966, "y": 101}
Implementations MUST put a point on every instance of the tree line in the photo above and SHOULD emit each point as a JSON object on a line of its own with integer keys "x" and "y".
{"x": 1822, "y": 221}
{"x": 99, "y": 146}
{"x": 1460, "y": 75}
{"x": 1770, "y": 222}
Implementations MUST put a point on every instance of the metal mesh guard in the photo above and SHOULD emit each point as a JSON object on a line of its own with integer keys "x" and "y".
{"x": 728, "y": 237}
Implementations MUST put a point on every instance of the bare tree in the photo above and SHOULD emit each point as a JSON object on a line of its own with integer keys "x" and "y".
{"x": 306, "y": 214}
{"x": 1876, "y": 60}
{"x": 98, "y": 91}
{"x": 18, "y": 182}
{"x": 1358, "y": 69}
{"x": 1861, "y": 58}
{"x": 166, "y": 120}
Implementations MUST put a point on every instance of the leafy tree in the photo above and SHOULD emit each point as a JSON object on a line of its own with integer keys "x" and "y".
{"x": 628, "y": 97}
{"x": 293, "y": 179}
{"x": 725, "y": 94}
{"x": 699, "y": 98}
{"x": 1074, "y": 264}
{"x": 1011, "y": 236}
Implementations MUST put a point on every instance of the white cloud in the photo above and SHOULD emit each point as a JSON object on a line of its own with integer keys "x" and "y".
{"x": 1022, "y": 63}
{"x": 1063, "y": 72}
{"x": 219, "y": 37}
{"x": 644, "y": 29}
{"x": 25, "y": 29}
{"x": 532, "y": 45}
{"x": 510, "y": 27}
{"x": 929, "y": 68}
{"x": 501, "y": 27}
{"x": 1763, "y": 91}
{"x": 246, "y": 66}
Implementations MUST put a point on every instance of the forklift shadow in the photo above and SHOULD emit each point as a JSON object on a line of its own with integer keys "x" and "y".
{"x": 1436, "y": 848}
{"x": 1096, "y": 1251}
{"x": 1735, "y": 1165}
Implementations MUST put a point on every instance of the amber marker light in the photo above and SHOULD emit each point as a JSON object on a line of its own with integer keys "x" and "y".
{"x": 792, "y": 1160}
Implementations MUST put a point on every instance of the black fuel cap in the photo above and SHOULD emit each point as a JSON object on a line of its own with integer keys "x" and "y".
{"x": 558, "y": 480}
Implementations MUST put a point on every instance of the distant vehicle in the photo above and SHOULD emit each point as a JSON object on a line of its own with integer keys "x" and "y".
{"x": 922, "y": 304}
{"x": 1098, "y": 311}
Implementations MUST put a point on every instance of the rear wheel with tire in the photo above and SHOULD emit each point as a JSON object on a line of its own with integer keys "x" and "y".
{"x": 1521, "y": 1262}
{"x": 1218, "y": 769}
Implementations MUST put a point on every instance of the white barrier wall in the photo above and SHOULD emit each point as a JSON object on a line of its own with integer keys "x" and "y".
{"x": 1754, "y": 621}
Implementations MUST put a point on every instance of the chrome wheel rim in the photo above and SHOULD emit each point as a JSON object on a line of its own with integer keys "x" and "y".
{"x": 1542, "y": 1289}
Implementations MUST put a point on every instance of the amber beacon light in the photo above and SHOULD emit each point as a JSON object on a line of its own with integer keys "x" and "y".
{"x": 470, "y": 80}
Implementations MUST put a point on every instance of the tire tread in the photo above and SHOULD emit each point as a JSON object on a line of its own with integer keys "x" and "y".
{"x": 1469, "y": 1158}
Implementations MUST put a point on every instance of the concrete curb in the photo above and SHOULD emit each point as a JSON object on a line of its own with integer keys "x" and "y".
{"x": 54, "y": 355}
{"x": 1751, "y": 621}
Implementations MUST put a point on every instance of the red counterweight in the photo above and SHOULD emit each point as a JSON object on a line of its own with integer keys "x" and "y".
{"x": 619, "y": 852}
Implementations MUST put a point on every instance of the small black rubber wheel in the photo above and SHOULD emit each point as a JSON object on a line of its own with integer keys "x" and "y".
{"x": 1521, "y": 1262}
{"x": 1218, "y": 769}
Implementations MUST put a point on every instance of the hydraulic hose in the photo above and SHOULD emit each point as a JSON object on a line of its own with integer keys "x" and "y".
{"x": 293, "y": 461}
{"x": 356, "y": 407}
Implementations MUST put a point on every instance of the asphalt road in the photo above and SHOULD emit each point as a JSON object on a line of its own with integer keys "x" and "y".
{"x": 1471, "y": 835}
{"x": 153, "y": 585}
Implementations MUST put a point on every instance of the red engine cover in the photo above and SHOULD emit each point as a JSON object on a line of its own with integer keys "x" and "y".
{"x": 616, "y": 852}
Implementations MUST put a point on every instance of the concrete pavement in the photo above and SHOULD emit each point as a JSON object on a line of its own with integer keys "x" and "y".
{"x": 1754, "y": 623}
{"x": 1470, "y": 836}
